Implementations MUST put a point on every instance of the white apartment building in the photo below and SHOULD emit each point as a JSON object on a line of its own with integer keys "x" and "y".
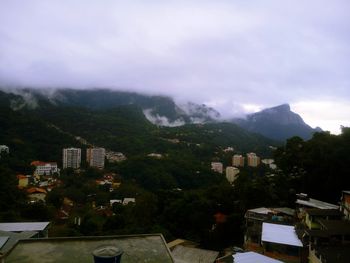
{"x": 238, "y": 160}
{"x": 217, "y": 167}
{"x": 231, "y": 173}
{"x": 95, "y": 157}
{"x": 71, "y": 158}
{"x": 45, "y": 168}
{"x": 253, "y": 160}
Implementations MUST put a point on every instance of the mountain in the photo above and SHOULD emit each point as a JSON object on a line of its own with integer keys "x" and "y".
{"x": 160, "y": 110}
{"x": 278, "y": 123}
{"x": 121, "y": 125}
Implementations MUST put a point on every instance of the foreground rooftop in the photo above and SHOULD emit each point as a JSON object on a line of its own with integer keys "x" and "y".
{"x": 137, "y": 248}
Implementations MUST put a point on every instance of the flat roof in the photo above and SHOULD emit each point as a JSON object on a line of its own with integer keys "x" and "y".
{"x": 316, "y": 204}
{"x": 24, "y": 226}
{"x": 261, "y": 210}
{"x": 252, "y": 257}
{"x": 280, "y": 234}
{"x": 13, "y": 239}
{"x": 136, "y": 248}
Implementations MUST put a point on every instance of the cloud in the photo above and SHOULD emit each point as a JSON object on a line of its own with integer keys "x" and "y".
{"x": 231, "y": 53}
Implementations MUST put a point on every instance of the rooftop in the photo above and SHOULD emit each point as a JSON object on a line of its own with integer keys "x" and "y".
{"x": 252, "y": 257}
{"x": 24, "y": 226}
{"x": 183, "y": 254}
{"x": 280, "y": 234}
{"x": 138, "y": 248}
{"x": 316, "y": 204}
{"x": 9, "y": 239}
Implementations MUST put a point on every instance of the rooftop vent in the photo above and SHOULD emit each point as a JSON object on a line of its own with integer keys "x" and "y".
{"x": 107, "y": 254}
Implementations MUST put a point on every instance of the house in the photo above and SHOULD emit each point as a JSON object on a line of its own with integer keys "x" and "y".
{"x": 255, "y": 218}
{"x": 36, "y": 194}
{"x": 131, "y": 248}
{"x": 313, "y": 215}
{"x": 281, "y": 242}
{"x": 330, "y": 243}
{"x": 304, "y": 202}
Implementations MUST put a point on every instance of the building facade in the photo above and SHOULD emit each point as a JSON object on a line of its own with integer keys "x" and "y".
{"x": 231, "y": 174}
{"x": 238, "y": 160}
{"x": 71, "y": 158}
{"x": 95, "y": 157}
{"x": 253, "y": 160}
{"x": 45, "y": 168}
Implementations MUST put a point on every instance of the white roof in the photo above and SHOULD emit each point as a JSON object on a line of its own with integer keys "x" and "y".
{"x": 252, "y": 257}
{"x": 23, "y": 226}
{"x": 316, "y": 204}
{"x": 280, "y": 234}
{"x": 261, "y": 210}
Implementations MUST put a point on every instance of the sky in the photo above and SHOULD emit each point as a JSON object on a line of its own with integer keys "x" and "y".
{"x": 237, "y": 56}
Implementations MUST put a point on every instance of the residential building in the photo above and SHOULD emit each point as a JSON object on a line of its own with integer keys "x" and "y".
{"x": 127, "y": 201}
{"x": 256, "y": 217}
{"x": 45, "y": 168}
{"x": 36, "y": 194}
{"x": 231, "y": 174}
{"x": 217, "y": 167}
{"x": 71, "y": 158}
{"x": 330, "y": 243}
{"x": 313, "y": 216}
{"x": 95, "y": 157}
{"x": 238, "y": 160}
{"x": 345, "y": 204}
{"x": 281, "y": 242}
{"x": 253, "y": 160}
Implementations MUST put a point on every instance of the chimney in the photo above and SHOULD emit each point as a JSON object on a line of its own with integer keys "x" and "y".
{"x": 107, "y": 254}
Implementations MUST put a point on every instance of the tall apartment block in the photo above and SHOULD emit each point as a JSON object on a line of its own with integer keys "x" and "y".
{"x": 71, "y": 158}
{"x": 231, "y": 174}
{"x": 238, "y": 160}
{"x": 253, "y": 160}
{"x": 95, "y": 157}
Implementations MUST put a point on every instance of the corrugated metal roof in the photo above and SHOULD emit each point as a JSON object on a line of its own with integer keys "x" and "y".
{"x": 252, "y": 257}
{"x": 316, "y": 203}
{"x": 24, "y": 226}
{"x": 280, "y": 234}
{"x": 261, "y": 210}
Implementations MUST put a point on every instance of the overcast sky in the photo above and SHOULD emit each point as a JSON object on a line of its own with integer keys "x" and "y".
{"x": 236, "y": 55}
